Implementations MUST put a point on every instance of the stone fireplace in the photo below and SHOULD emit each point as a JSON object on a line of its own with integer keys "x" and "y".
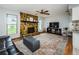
{"x": 29, "y": 24}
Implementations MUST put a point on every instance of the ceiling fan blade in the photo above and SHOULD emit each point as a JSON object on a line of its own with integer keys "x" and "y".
{"x": 46, "y": 11}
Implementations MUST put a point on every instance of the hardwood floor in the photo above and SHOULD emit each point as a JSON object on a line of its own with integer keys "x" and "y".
{"x": 69, "y": 47}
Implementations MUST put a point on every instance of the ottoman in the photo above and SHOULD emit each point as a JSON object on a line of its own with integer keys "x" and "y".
{"x": 31, "y": 43}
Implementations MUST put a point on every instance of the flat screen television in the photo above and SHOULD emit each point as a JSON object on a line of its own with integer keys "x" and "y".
{"x": 54, "y": 24}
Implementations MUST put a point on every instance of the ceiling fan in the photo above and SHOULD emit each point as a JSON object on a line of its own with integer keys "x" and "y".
{"x": 43, "y": 12}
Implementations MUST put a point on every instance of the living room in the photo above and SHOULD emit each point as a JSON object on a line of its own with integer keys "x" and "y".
{"x": 38, "y": 29}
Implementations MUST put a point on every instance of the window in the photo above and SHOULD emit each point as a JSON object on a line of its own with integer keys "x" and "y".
{"x": 40, "y": 24}
{"x": 11, "y": 24}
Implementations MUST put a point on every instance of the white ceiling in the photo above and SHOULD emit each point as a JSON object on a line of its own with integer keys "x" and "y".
{"x": 32, "y": 8}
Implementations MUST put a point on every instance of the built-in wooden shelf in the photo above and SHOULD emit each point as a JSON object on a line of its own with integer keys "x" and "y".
{"x": 28, "y": 21}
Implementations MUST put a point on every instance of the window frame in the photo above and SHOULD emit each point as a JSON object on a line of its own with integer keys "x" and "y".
{"x": 11, "y": 24}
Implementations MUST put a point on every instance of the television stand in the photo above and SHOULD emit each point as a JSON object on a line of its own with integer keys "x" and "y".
{"x": 54, "y": 30}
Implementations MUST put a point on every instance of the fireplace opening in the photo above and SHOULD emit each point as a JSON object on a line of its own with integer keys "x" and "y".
{"x": 31, "y": 30}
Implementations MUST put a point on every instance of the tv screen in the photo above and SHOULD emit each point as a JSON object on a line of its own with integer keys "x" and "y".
{"x": 54, "y": 24}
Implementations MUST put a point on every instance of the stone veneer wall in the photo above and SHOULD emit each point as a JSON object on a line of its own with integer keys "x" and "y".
{"x": 27, "y": 21}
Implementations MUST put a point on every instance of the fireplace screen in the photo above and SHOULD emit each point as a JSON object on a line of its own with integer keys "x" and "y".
{"x": 31, "y": 30}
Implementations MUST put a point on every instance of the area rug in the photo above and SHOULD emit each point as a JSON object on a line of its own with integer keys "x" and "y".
{"x": 50, "y": 44}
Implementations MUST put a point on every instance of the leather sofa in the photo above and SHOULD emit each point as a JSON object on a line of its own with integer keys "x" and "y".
{"x": 8, "y": 47}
